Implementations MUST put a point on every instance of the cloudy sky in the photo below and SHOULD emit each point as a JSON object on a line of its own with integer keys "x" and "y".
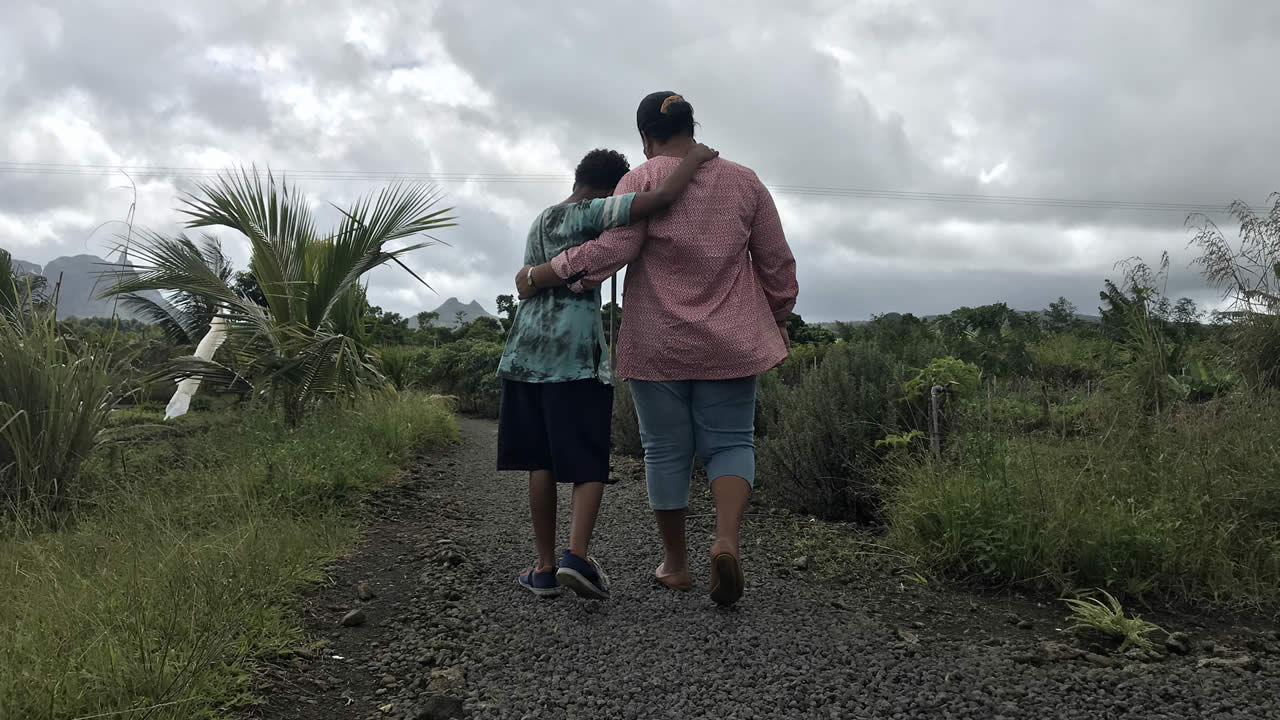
{"x": 1139, "y": 101}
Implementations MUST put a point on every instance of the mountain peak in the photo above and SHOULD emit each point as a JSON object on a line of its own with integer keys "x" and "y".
{"x": 447, "y": 313}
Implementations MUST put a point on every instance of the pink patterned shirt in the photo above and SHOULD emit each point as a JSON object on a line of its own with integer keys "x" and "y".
{"x": 707, "y": 282}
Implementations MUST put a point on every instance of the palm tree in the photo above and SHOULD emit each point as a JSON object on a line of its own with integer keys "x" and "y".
{"x": 183, "y": 317}
{"x": 308, "y": 342}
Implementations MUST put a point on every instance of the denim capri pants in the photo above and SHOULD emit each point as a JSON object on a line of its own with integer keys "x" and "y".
{"x": 712, "y": 420}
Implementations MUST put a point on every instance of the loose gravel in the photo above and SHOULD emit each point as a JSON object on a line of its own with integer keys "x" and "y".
{"x": 448, "y": 633}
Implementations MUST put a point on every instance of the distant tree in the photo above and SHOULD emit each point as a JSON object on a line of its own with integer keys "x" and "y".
{"x": 845, "y": 331}
{"x": 1026, "y": 326}
{"x": 484, "y": 329}
{"x": 427, "y": 319}
{"x": 1186, "y": 316}
{"x": 460, "y": 320}
{"x": 803, "y": 333}
{"x": 1060, "y": 315}
{"x": 385, "y": 328}
{"x": 1185, "y": 312}
{"x": 247, "y": 286}
{"x": 506, "y": 305}
{"x": 507, "y": 311}
{"x": 794, "y": 324}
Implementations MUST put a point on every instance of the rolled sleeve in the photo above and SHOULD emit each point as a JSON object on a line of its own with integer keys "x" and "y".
{"x": 562, "y": 266}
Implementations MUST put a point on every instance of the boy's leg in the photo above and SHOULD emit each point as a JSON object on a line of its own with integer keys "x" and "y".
{"x": 586, "y": 507}
{"x": 542, "y": 509}
{"x": 523, "y": 445}
{"x": 579, "y": 416}
{"x": 666, "y": 431}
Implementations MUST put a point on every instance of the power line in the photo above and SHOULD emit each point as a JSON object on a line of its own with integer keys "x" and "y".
{"x": 1009, "y": 201}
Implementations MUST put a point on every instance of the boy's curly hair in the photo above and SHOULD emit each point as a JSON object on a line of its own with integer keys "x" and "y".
{"x": 601, "y": 169}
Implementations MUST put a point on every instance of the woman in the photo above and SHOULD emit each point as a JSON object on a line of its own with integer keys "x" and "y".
{"x": 709, "y": 287}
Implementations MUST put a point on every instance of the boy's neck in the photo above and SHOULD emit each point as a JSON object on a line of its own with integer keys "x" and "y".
{"x": 588, "y": 193}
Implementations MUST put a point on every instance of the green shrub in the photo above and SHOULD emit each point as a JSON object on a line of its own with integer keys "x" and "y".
{"x": 961, "y": 377}
{"x": 770, "y": 391}
{"x": 396, "y": 362}
{"x": 819, "y": 456}
{"x": 803, "y": 360}
{"x": 1201, "y": 381}
{"x": 467, "y": 370}
{"x": 54, "y": 402}
{"x": 1183, "y": 508}
{"x": 1067, "y": 360}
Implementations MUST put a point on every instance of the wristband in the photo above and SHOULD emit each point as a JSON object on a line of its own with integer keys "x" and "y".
{"x": 532, "y": 284}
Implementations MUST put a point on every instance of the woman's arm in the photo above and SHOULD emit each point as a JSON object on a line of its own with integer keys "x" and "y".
{"x": 771, "y": 258}
{"x": 588, "y": 265}
{"x": 584, "y": 269}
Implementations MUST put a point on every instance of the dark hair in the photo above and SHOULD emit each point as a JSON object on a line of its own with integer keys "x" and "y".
{"x": 601, "y": 169}
{"x": 664, "y": 115}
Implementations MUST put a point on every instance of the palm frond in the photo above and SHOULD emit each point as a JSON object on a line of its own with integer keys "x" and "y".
{"x": 177, "y": 326}
{"x": 277, "y": 221}
{"x": 359, "y": 246}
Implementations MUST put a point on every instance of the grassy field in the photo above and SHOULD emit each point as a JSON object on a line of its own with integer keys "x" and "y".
{"x": 199, "y": 533}
{"x": 1185, "y": 509}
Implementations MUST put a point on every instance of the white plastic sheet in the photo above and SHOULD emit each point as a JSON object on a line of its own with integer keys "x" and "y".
{"x": 209, "y": 344}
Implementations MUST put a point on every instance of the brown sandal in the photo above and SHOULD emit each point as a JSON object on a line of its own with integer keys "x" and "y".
{"x": 678, "y": 581}
{"x": 727, "y": 580}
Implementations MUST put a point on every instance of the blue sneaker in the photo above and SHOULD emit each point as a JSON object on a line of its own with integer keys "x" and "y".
{"x": 584, "y": 577}
{"x": 542, "y": 584}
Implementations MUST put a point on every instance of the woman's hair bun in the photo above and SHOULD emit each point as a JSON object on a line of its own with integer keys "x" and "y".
{"x": 675, "y": 105}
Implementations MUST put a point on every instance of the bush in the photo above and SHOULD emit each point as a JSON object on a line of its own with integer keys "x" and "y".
{"x": 770, "y": 391}
{"x": 802, "y": 360}
{"x": 1182, "y": 509}
{"x": 961, "y": 377}
{"x": 467, "y": 370}
{"x": 396, "y": 363}
{"x": 1065, "y": 360}
{"x": 187, "y": 566}
{"x": 819, "y": 455}
{"x": 54, "y": 403}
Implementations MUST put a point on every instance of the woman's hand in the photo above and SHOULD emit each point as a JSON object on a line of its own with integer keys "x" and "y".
{"x": 524, "y": 288}
{"x": 702, "y": 153}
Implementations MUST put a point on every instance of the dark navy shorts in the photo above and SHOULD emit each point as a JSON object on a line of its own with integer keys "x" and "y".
{"x": 562, "y": 427}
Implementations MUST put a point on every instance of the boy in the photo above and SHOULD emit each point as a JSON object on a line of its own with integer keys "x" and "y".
{"x": 557, "y": 395}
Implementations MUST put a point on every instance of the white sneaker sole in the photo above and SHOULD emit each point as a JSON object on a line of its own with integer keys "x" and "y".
{"x": 581, "y": 586}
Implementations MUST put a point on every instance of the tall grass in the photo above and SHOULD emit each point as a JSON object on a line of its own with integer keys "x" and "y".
{"x": 55, "y": 398}
{"x": 152, "y": 603}
{"x": 1185, "y": 510}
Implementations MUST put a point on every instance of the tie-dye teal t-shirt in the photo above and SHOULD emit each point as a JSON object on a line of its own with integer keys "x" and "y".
{"x": 557, "y": 335}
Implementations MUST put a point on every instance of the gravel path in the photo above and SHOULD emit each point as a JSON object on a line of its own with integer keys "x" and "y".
{"x": 449, "y": 624}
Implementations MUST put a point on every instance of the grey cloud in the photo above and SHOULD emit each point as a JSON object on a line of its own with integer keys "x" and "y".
{"x": 1134, "y": 101}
